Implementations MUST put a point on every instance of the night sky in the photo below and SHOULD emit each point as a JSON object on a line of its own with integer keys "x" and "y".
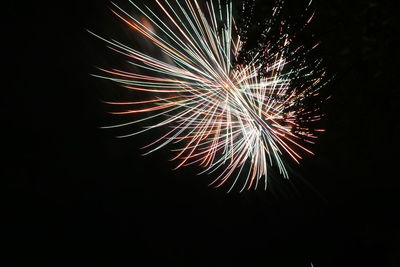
{"x": 75, "y": 195}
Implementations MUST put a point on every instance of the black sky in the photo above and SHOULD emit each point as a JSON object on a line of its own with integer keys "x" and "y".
{"x": 76, "y": 196}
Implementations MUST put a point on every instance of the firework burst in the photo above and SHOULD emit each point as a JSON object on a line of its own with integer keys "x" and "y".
{"x": 235, "y": 109}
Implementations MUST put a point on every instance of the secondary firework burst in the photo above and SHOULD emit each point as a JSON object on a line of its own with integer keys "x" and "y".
{"x": 233, "y": 106}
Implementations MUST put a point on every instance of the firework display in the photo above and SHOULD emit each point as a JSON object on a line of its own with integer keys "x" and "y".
{"x": 237, "y": 102}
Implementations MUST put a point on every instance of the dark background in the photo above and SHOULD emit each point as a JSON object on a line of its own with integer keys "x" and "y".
{"x": 77, "y": 196}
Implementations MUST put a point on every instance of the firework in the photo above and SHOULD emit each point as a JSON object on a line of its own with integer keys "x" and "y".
{"x": 236, "y": 110}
